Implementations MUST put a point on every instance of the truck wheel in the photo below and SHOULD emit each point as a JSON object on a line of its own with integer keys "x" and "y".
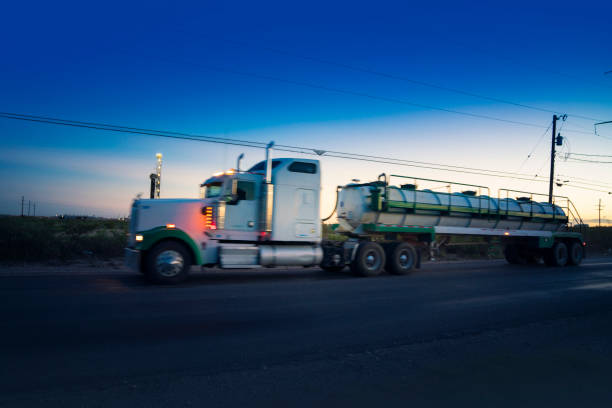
{"x": 168, "y": 263}
{"x": 369, "y": 261}
{"x": 576, "y": 253}
{"x": 401, "y": 259}
{"x": 557, "y": 255}
{"x": 512, "y": 254}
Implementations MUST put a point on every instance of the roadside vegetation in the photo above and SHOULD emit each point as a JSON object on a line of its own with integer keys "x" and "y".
{"x": 599, "y": 240}
{"x": 42, "y": 239}
{"x": 47, "y": 239}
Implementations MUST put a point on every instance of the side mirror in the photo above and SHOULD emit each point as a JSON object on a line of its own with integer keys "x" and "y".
{"x": 231, "y": 199}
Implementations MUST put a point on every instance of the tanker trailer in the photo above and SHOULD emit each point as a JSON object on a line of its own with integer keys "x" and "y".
{"x": 389, "y": 225}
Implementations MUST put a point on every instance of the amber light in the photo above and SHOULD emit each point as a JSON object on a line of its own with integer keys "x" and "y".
{"x": 170, "y": 226}
{"x": 210, "y": 218}
{"x": 139, "y": 238}
{"x": 506, "y": 233}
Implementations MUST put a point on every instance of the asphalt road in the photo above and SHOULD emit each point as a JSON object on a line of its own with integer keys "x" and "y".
{"x": 474, "y": 333}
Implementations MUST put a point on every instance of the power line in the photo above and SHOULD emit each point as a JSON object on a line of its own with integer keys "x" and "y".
{"x": 534, "y": 147}
{"x": 590, "y": 155}
{"x": 288, "y": 148}
{"x": 588, "y": 161}
{"x": 520, "y": 63}
{"x": 260, "y": 145}
{"x": 351, "y": 92}
{"x": 393, "y": 76}
{"x": 588, "y": 181}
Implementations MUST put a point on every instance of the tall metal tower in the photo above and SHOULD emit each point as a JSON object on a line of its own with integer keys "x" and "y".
{"x": 158, "y": 174}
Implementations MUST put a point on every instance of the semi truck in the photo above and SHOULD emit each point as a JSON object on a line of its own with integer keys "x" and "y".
{"x": 269, "y": 216}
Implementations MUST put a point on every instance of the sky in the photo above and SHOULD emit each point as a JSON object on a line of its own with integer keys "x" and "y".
{"x": 340, "y": 76}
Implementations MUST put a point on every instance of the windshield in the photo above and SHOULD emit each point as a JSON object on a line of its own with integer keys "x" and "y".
{"x": 211, "y": 189}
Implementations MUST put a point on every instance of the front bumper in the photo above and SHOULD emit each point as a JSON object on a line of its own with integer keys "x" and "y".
{"x": 132, "y": 259}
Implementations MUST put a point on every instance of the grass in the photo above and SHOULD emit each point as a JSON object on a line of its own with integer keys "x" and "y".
{"x": 599, "y": 240}
{"x": 42, "y": 239}
{"x": 39, "y": 239}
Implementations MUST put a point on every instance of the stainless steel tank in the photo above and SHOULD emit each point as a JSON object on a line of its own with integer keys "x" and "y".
{"x": 409, "y": 207}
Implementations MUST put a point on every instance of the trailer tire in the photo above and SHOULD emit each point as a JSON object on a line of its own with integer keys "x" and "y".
{"x": 369, "y": 260}
{"x": 576, "y": 253}
{"x": 168, "y": 262}
{"x": 401, "y": 258}
{"x": 512, "y": 255}
{"x": 558, "y": 255}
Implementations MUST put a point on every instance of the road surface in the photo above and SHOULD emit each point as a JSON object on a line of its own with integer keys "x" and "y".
{"x": 479, "y": 333}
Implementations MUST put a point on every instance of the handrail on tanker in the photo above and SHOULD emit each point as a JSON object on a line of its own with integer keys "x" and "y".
{"x": 450, "y": 183}
{"x": 569, "y": 207}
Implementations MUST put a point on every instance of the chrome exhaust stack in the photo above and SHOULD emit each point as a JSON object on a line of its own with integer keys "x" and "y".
{"x": 267, "y": 196}
{"x": 238, "y": 162}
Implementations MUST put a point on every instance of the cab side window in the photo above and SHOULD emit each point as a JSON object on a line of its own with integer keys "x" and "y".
{"x": 302, "y": 167}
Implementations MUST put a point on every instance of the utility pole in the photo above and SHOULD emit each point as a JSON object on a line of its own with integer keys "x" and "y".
{"x": 552, "y": 159}
{"x": 599, "y": 208}
{"x": 29, "y": 203}
{"x": 34, "y": 209}
{"x": 22, "y": 200}
{"x": 555, "y": 140}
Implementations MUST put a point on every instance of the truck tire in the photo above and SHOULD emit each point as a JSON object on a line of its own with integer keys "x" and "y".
{"x": 369, "y": 260}
{"x": 558, "y": 255}
{"x": 513, "y": 255}
{"x": 167, "y": 263}
{"x": 401, "y": 258}
{"x": 576, "y": 253}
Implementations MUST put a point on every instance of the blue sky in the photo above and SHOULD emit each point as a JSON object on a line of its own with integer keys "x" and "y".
{"x": 177, "y": 66}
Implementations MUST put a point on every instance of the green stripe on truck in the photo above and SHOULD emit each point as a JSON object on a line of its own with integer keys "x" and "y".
{"x": 473, "y": 210}
{"x": 153, "y": 236}
{"x": 408, "y": 230}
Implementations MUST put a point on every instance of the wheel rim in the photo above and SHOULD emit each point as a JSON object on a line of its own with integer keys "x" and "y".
{"x": 405, "y": 260}
{"x": 169, "y": 263}
{"x": 372, "y": 260}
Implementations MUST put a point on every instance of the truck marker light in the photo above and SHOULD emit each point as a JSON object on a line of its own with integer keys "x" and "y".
{"x": 506, "y": 233}
{"x": 584, "y": 244}
{"x": 170, "y": 226}
{"x": 139, "y": 238}
{"x": 217, "y": 174}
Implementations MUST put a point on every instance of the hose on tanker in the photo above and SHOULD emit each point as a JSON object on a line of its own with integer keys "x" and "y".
{"x": 335, "y": 205}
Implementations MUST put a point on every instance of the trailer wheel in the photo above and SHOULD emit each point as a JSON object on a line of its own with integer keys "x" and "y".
{"x": 401, "y": 258}
{"x": 513, "y": 255}
{"x": 168, "y": 263}
{"x": 369, "y": 261}
{"x": 557, "y": 256}
{"x": 576, "y": 253}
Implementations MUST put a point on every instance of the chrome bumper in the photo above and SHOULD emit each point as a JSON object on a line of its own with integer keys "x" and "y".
{"x": 132, "y": 259}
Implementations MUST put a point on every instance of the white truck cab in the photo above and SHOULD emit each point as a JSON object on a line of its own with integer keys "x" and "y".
{"x": 265, "y": 216}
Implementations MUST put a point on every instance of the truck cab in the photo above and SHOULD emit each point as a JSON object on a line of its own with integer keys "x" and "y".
{"x": 265, "y": 216}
